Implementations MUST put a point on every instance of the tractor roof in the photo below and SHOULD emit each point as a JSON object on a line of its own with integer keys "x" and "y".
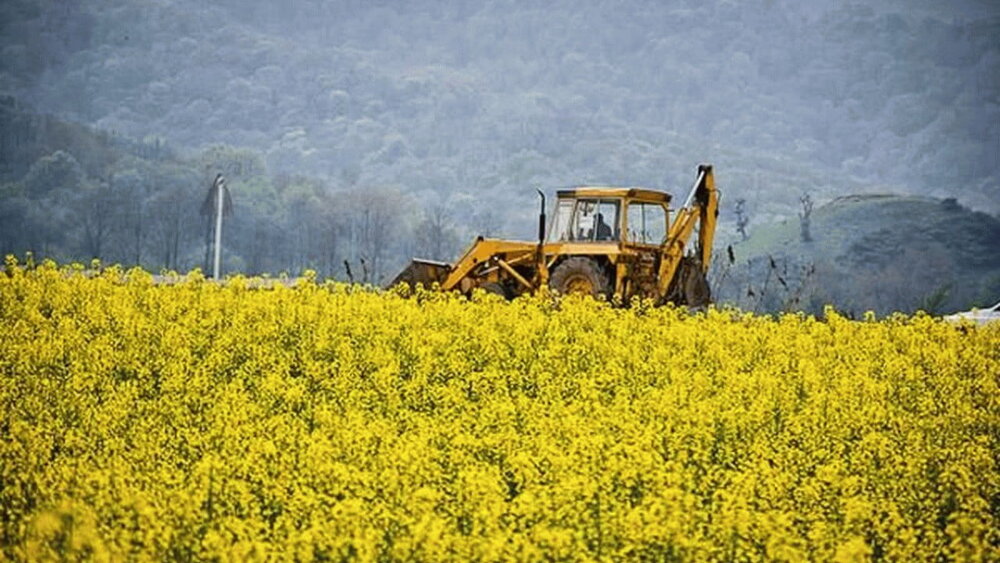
{"x": 604, "y": 191}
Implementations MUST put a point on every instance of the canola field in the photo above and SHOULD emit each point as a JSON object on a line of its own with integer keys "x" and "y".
{"x": 196, "y": 421}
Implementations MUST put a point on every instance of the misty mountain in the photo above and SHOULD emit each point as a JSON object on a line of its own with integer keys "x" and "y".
{"x": 464, "y": 99}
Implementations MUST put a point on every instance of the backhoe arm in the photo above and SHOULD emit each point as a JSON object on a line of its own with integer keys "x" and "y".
{"x": 700, "y": 208}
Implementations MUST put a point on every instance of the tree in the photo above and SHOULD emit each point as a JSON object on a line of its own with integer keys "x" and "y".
{"x": 57, "y": 171}
{"x": 14, "y": 226}
{"x": 173, "y": 214}
{"x": 804, "y": 217}
{"x": 49, "y": 184}
{"x": 374, "y": 224}
{"x": 742, "y": 220}
{"x": 258, "y": 232}
{"x": 93, "y": 212}
{"x": 305, "y": 210}
{"x": 234, "y": 163}
{"x": 435, "y": 235}
{"x": 129, "y": 185}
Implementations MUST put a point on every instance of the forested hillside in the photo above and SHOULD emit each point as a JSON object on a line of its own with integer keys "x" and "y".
{"x": 439, "y": 119}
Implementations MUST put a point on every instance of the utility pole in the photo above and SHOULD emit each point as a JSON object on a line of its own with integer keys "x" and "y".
{"x": 218, "y": 201}
{"x": 219, "y": 187}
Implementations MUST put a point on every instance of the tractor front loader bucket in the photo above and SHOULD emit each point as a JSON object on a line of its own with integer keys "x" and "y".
{"x": 423, "y": 272}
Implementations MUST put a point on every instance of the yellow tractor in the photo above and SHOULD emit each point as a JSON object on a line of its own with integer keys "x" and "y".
{"x": 605, "y": 242}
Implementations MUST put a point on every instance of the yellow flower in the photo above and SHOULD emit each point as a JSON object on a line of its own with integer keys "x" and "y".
{"x": 195, "y": 420}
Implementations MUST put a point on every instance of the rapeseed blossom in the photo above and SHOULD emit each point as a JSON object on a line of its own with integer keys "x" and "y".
{"x": 196, "y": 420}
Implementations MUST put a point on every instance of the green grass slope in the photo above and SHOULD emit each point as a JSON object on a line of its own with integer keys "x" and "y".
{"x": 882, "y": 253}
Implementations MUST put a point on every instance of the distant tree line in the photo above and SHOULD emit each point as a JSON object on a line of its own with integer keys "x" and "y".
{"x": 86, "y": 194}
{"x": 90, "y": 195}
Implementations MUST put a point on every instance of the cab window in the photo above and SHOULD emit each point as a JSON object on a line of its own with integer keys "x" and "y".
{"x": 582, "y": 220}
{"x": 561, "y": 229}
{"x": 595, "y": 220}
{"x": 647, "y": 223}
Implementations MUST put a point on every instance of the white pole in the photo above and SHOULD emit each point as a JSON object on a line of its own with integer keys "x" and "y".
{"x": 220, "y": 183}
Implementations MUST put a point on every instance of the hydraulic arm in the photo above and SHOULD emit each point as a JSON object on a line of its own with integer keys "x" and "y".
{"x": 701, "y": 209}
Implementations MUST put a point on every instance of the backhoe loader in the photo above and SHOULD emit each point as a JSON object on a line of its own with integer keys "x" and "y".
{"x": 607, "y": 242}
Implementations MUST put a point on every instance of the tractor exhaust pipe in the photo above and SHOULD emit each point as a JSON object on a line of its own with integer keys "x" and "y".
{"x": 541, "y": 218}
{"x": 542, "y": 277}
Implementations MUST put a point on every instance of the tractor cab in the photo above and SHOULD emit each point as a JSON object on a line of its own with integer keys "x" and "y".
{"x": 603, "y": 215}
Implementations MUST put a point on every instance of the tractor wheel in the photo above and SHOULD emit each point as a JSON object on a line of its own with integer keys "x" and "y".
{"x": 580, "y": 275}
{"x": 496, "y": 289}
